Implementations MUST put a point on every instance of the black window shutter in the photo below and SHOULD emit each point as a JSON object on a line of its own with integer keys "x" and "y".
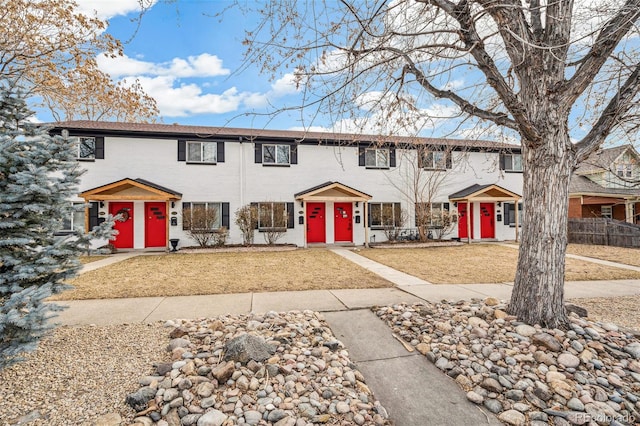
{"x": 290, "y": 212}
{"x": 501, "y": 161}
{"x": 258, "y": 153}
{"x": 369, "y": 214}
{"x": 185, "y": 207}
{"x": 225, "y": 214}
{"x": 182, "y": 150}
{"x": 361, "y": 150}
{"x": 93, "y": 215}
{"x": 420, "y": 152}
{"x": 99, "y": 152}
{"x": 445, "y": 206}
{"x": 294, "y": 154}
{"x": 392, "y": 157}
{"x": 448, "y": 159}
{"x": 255, "y": 206}
{"x": 220, "y": 154}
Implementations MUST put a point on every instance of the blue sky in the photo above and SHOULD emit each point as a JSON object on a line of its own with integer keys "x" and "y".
{"x": 187, "y": 59}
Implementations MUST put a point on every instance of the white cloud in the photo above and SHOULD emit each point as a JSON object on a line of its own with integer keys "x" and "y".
{"x": 105, "y": 9}
{"x": 203, "y": 65}
{"x": 180, "y": 100}
{"x": 288, "y": 84}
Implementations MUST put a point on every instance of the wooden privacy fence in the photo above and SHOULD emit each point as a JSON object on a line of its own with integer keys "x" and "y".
{"x": 603, "y": 231}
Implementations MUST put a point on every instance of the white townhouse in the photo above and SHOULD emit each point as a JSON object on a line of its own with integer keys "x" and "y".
{"x": 333, "y": 189}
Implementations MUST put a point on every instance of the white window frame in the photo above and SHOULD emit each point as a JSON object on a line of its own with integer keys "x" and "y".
{"x": 75, "y": 223}
{"x": 202, "y": 151}
{"x": 276, "y": 160}
{"x": 380, "y": 225}
{"x": 624, "y": 170}
{"x": 606, "y": 211}
{"x": 270, "y": 226}
{"x": 207, "y": 205}
{"x": 80, "y": 140}
{"x": 381, "y": 157}
{"x": 430, "y": 162}
{"x": 440, "y": 207}
{"x": 509, "y": 163}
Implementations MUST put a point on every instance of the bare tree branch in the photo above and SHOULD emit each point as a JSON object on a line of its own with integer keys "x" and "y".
{"x": 616, "y": 108}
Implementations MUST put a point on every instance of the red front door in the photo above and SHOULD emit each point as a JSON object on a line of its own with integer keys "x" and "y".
{"x": 124, "y": 225}
{"x": 316, "y": 223}
{"x": 155, "y": 225}
{"x": 487, "y": 222}
{"x": 462, "y": 220}
{"x": 343, "y": 229}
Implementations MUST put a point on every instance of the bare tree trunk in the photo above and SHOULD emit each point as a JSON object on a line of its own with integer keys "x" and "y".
{"x": 538, "y": 293}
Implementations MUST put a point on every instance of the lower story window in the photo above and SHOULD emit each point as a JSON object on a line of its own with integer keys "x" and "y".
{"x": 510, "y": 214}
{"x": 75, "y": 221}
{"x": 431, "y": 214}
{"x": 606, "y": 211}
{"x": 385, "y": 215}
{"x": 272, "y": 215}
{"x": 201, "y": 216}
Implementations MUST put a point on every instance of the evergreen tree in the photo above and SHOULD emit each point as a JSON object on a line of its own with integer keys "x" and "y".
{"x": 39, "y": 175}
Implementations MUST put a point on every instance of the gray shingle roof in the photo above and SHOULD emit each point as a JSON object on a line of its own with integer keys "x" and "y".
{"x": 601, "y": 160}
{"x": 249, "y": 134}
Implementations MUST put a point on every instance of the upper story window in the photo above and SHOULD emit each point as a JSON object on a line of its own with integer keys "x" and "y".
{"x": 86, "y": 148}
{"x": 276, "y": 154}
{"x": 624, "y": 170}
{"x": 511, "y": 162}
{"x": 435, "y": 160}
{"x": 377, "y": 158}
{"x": 202, "y": 152}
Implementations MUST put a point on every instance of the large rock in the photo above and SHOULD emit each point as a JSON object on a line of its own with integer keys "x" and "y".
{"x": 512, "y": 417}
{"x": 212, "y": 418}
{"x": 546, "y": 340}
{"x": 247, "y": 347}
{"x": 139, "y": 399}
{"x": 633, "y": 349}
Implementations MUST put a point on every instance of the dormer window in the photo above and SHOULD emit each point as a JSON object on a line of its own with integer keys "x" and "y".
{"x": 624, "y": 170}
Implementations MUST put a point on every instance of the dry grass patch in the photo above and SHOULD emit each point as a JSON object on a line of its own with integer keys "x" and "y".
{"x": 479, "y": 263}
{"x": 216, "y": 273}
{"x": 622, "y": 310}
{"x": 88, "y": 259}
{"x": 628, "y": 256}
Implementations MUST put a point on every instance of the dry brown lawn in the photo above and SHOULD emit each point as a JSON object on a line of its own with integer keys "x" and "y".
{"x": 88, "y": 259}
{"x": 479, "y": 263}
{"x": 216, "y": 273}
{"x": 629, "y": 256}
{"x": 621, "y": 310}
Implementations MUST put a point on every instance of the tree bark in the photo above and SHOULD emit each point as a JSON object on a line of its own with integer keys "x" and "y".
{"x": 538, "y": 292}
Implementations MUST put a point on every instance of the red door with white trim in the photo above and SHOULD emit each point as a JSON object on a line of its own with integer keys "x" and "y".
{"x": 316, "y": 223}
{"x": 487, "y": 221}
{"x": 462, "y": 220}
{"x": 124, "y": 225}
{"x": 342, "y": 222}
{"x": 155, "y": 225}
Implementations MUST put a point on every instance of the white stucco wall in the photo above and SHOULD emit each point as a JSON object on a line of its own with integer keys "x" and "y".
{"x": 239, "y": 181}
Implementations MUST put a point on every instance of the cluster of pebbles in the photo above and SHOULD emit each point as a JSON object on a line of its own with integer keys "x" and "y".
{"x": 589, "y": 374}
{"x": 283, "y": 369}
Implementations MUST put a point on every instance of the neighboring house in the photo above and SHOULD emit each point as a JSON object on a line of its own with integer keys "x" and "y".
{"x": 607, "y": 184}
{"x": 323, "y": 188}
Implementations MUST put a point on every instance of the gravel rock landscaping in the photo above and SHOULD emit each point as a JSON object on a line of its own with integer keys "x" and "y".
{"x": 80, "y": 374}
{"x": 283, "y": 369}
{"x": 589, "y": 374}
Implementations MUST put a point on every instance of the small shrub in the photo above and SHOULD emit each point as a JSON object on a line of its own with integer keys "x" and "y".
{"x": 247, "y": 221}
